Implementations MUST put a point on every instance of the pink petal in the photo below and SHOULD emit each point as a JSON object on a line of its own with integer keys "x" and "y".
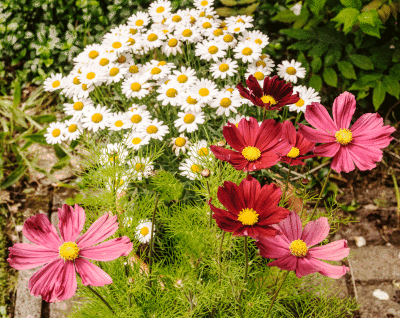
{"x": 318, "y": 116}
{"x": 26, "y": 256}
{"x": 289, "y": 132}
{"x": 273, "y": 247}
{"x": 334, "y": 251}
{"x": 39, "y": 230}
{"x": 71, "y": 222}
{"x": 343, "y": 161}
{"x": 315, "y": 135}
{"x": 370, "y": 122}
{"x": 55, "y": 281}
{"x": 365, "y": 158}
{"x": 287, "y": 263}
{"x": 109, "y": 250}
{"x": 291, "y": 226}
{"x": 306, "y": 266}
{"x": 327, "y": 150}
{"x": 344, "y": 107}
{"x": 329, "y": 270}
{"x": 99, "y": 231}
{"x": 315, "y": 232}
{"x": 91, "y": 274}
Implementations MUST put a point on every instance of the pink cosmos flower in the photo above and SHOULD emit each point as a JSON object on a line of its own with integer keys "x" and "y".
{"x": 56, "y": 280}
{"x": 360, "y": 145}
{"x": 293, "y": 251}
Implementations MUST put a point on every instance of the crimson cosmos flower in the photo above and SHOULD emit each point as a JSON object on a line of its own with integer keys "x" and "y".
{"x": 251, "y": 209}
{"x": 257, "y": 147}
{"x": 274, "y": 95}
{"x": 360, "y": 145}
{"x": 300, "y": 145}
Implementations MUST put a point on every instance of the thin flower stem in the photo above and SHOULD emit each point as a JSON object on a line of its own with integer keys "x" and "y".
{"x": 101, "y": 298}
{"x": 396, "y": 188}
{"x": 220, "y": 257}
{"x": 298, "y": 117}
{"x": 277, "y": 292}
{"x": 246, "y": 268}
{"x": 209, "y": 193}
{"x": 152, "y": 237}
{"x": 286, "y": 184}
{"x": 264, "y": 114}
{"x": 321, "y": 193}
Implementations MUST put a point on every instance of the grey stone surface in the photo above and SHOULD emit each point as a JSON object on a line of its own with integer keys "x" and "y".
{"x": 61, "y": 309}
{"x": 380, "y": 263}
{"x": 59, "y": 197}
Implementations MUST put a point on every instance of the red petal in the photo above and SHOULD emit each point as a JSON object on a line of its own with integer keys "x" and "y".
{"x": 343, "y": 110}
{"x": 318, "y": 116}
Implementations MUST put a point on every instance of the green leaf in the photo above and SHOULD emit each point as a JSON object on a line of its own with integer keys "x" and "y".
{"x": 351, "y": 3}
{"x": 395, "y": 72}
{"x": 249, "y": 10}
{"x": 319, "y": 49}
{"x": 316, "y": 64}
{"x": 299, "y": 34}
{"x": 330, "y": 77}
{"x": 285, "y": 16}
{"x": 332, "y": 57}
{"x": 347, "y": 70}
{"x": 14, "y": 176}
{"x": 17, "y": 94}
{"x": 301, "y": 46}
{"x": 392, "y": 85}
{"x": 347, "y": 17}
{"x": 370, "y": 29}
{"x": 229, "y": 3}
{"x": 74, "y": 143}
{"x": 302, "y": 18}
{"x": 39, "y": 138}
{"x": 378, "y": 95}
{"x": 316, "y": 5}
{"x": 59, "y": 152}
{"x": 60, "y": 164}
{"x": 361, "y": 61}
{"x": 41, "y": 119}
{"x": 316, "y": 82}
{"x": 370, "y": 17}
{"x": 226, "y": 12}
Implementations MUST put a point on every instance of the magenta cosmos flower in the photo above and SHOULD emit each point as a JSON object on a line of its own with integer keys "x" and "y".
{"x": 56, "y": 281}
{"x": 256, "y": 147}
{"x": 294, "y": 252}
{"x": 300, "y": 145}
{"x": 359, "y": 144}
{"x": 251, "y": 210}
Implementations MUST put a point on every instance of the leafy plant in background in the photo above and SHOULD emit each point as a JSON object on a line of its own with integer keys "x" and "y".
{"x": 352, "y": 45}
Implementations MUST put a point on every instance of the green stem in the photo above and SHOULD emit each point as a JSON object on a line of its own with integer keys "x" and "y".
{"x": 396, "y": 188}
{"x": 298, "y": 117}
{"x": 220, "y": 257}
{"x": 321, "y": 193}
{"x": 246, "y": 268}
{"x": 286, "y": 185}
{"x": 101, "y": 298}
{"x": 209, "y": 193}
{"x": 277, "y": 292}
{"x": 152, "y": 237}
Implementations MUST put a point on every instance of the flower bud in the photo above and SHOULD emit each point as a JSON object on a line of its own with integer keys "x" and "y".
{"x": 206, "y": 173}
{"x": 221, "y": 143}
{"x": 305, "y": 181}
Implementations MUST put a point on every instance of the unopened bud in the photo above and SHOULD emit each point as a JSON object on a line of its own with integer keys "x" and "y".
{"x": 221, "y": 143}
{"x": 305, "y": 181}
{"x": 206, "y": 173}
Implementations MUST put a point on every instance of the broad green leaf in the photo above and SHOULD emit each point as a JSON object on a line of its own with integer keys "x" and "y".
{"x": 362, "y": 94}
{"x": 347, "y": 70}
{"x": 395, "y": 72}
{"x": 351, "y": 3}
{"x": 332, "y": 57}
{"x": 226, "y": 12}
{"x": 378, "y": 95}
{"x": 316, "y": 82}
{"x": 60, "y": 164}
{"x": 330, "y": 77}
{"x": 316, "y": 5}
{"x": 347, "y": 17}
{"x": 299, "y": 34}
{"x": 316, "y": 64}
{"x": 372, "y": 30}
{"x": 319, "y": 49}
{"x": 44, "y": 118}
{"x": 39, "y": 138}
{"x": 14, "y": 176}
{"x": 361, "y": 61}
{"x": 229, "y": 3}
{"x": 285, "y": 16}
{"x": 17, "y": 94}
{"x": 302, "y": 18}
{"x": 301, "y": 46}
{"x": 350, "y": 49}
{"x": 59, "y": 152}
{"x": 74, "y": 143}
{"x": 392, "y": 85}
{"x": 370, "y": 17}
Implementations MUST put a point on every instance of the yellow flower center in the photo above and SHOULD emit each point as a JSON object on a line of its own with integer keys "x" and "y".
{"x": 230, "y": 90}
{"x": 119, "y": 123}
{"x": 298, "y": 248}
{"x": 261, "y": 63}
{"x": 104, "y": 61}
{"x": 121, "y": 59}
{"x": 136, "y": 119}
{"x": 114, "y": 71}
{"x": 136, "y": 87}
{"x": 212, "y": 49}
{"x": 173, "y": 42}
{"x": 85, "y": 87}
{"x": 162, "y": 63}
{"x": 180, "y": 141}
{"x": 176, "y": 18}
{"x": 139, "y": 22}
{"x": 203, "y": 151}
{"x": 251, "y": 153}
{"x": 182, "y": 78}
{"x": 93, "y": 54}
{"x": 300, "y": 103}
{"x": 191, "y": 100}
{"x": 152, "y": 129}
{"x": 144, "y": 231}
{"x": 228, "y": 38}
{"x": 248, "y": 217}
{"x": 152, "y": 37}
{"x": 115, "y": 158}
{"x": 189, "y": 118}
{"x": 195, "y": 168}
{"x": 140, "y": 166}
{"x": 247, "y": 51}
{"x": 96, "y": 118}
{"x": 90, "y": 75}
{"x": 56, "y": 84}
{"x": 204, "y": 92}
{"x": 236, "y": 29}
{"x": 172, "y": 92}
{"x": 224, "y": 67}
{"x": 218, "y": 32}
{"x": 259, "y": 76}
{"x": 69, "y": 251}
{"x": 269, "y": 99}
{"x": 293, "y": 153}
{"x": 133, "y": 31}
{"x": 116, "y": 45}
{"x": 131, "y": 41}
{"x": 136, "y": 140}
{"x": 56, "y": 132}
{"x": 225, "y": 102}
{"x": 78, "y": 106}
{"x": 72, "y": 128}
{"x": 204, "y": 3}
{"x": 160, "y": 9}
{"x": 344, "y": 136}
{"x": 258, "y": 41}
{"x": 187, "y": 33}
{"x": 155, "y": 71}
{"x": 202, "y": 14}
{"x": 207, "y": 25}
{"x": 291, "y": 70}
{"x": 133, "y": 69}
{"x": 240, "y": 20}
{"x": 76, "y": 81}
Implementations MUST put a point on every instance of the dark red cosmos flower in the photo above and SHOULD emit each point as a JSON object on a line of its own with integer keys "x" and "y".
{"x": 300, "y": 145}
{"x": 257, "y": 147}
{"x": 251, "y": 209}
{"x": 274, "y": 95}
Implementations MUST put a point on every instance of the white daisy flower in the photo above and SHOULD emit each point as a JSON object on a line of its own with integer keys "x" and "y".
{"x": 89, "y": 54}
{"x": 113, "y": 154}
{"x": 172, "y": 46}
{"x": 247, "y": 51}
{"x": 141, "y": 167}
{"x": 73, "y": 129}
{"x": 237, "y": 119}
{"x": 228, "y": 41}
{"x": 257, "y": 37}
{"x": 116, "y": 44}
{"x": 259, "y": 72}
{"x": 208, "y": 50}
{"x": 224, "y": 68}
{"x": 205, "y": 24}
{"x": 153, "y": 38}
{"x": 139, "y": 20}
{"x": 137, "y": 117}
{"x": 190, "y": 104}
{"x": 156, "y": 70}
{"x": 55, "y": 133}
{"x": 124, "y": 59}
{"x": 177, "y": 18}
{"x": 71, "y": 85}
{"x": 92, "y": 75}
{"x": 215, "y": 33}
{"x": 105, "y": 59}
{"x": 155, "y": 129}
{"x": 135, "y": 43}
{"x": 245, "y": 20}
{"x": 180, "y": 143}
{"x": 133, "y": 69}
{"x": 77, "y": 107}
{"x": 291, "y": 71}
{"x": 115, "y": 73}
{"x": 83, "y": 90}
{"x": 296, "y": 8}
{"x": 121, "y": 184}
{"x": 159, "y": 9}
{"x": 135, "y": 106}
{"x": 265, "y": 61}
{"x": 200, "y": 151}
{"x": 236, "y": 28}
{"x": 226, "y": 103}
{"x": 169, "y": 93}
{"x": 203, "y": 4}
{"x": 54, "y": 82}
{"x": 307, "y": 96}
{"x": 143, "y": 231}
{"x": 118, "y": 121}
{"x": 204, "y": 90}
{"x": 190, "y": 169}
{"x": 135, "y": 140}
{"x": 95, "y": 118}
{"x": 136, "y": 86}
{"x": 188, "y": 33}
{"x": 188, "y": 121}
{"x": 186, "y": 77}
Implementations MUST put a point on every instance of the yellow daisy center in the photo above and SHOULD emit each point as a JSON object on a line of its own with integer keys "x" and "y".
{"x": 56, "y": 84}
{"x": 261, "y": 63}
{"x": 291, "y": 70}
{"x": 172, "y": 92}
{"x": 236, "y": 29}
{"x": 293, "y": 153}
{"x": 131, "y": 41}
{"x": 116, "y": 45}
{"x": 78, "y": 106}
{"x": 136, "y": 119}
{"x": 136, "y": 140}
{"x": 121, "y": 59}
{"x": 251, "y": 153}
{"x": 203, "y": 151}
{"x": 176, "y": 18}
{"x": 207, "y": 25}
{"x": 248, "y": 217}
{"x": 114, "y": 71}
{"x": 85, "y": 87}
{"x": 187, "y": 33}
{"x": 155, "y": 71}
{"x": 218, "y": 32}
{"x": 152, "y": 37}
{"x": 204, "y": 92}
{"x": 104, "y": 61}
{"x": 344, "y": 136}
{"x": 189, "y": 118}
{"x": 173, "y": 42}
{"x": 247, "y": 51}
{"x": 56, "y": 132}
{"x": 224, "y": 67}
{"x": 195, "y": 168}
{"x": 90, "y": 75}
{"x": 133, "y": 69}
{"x": 202, "y": 14}
{"x": 72, "y": 128}
{"x": 258, "y": 41}
{"x": 182, "y": 78}
{"x": 133, "y": 31}
{"x": 69, "y": 251}
{"x": 225, "y": 102}
{"x": 269, "y": 99}
{"x": 136, "y": 87}
{"x": 160, "y": 9}
{"x": 298, "y": 248}
{"x": 93, "y": 54}
{"x": 180, "y": 141}
{"x": 139, "y": 22}
{"x": 162, "y": 63}
{"x": 230, "y": 90}
{"x": 259, "y": 76}
{"x": 228, "y": 38}
{"x": 212, "y": 49}
{"x": 300, "y": 103}
{"x": 144, "y": 231}
{"x": 96, "y": 118}
{"x": 191, "y": 100}
{"x": 76, "y": 81}
{"x": 140, "y": 166}
{"x": 204, "y": 3}
{"x": 119, "y": 123}
{"x": 152, "y": 129}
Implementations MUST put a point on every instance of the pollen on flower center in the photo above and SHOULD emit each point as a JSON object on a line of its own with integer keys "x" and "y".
{"x": 133, "y": 69}
{"x": 139, "y": 22}
{"x": 182, "y": 78}
{"x": 259, "y": 76}
{"x": 136, "y": 87}
{"x": 155, "y": 70}
{"x": 152, "y": 37}
{"x": 204, "y": 3}
{"x": 90, "y": 75}
{"x": 225, "y": 102}
{"x": 344, "y": 136}
{"x": 224, "y": 67}
{"x": 160, "y": 9}
{"x": 93, "y": 54}
{"x": 78, "y": 106}
{"x": 131, "y": 41}
{"x": 114, "y": 71}
{"x": 55, "y": 84}
{"x": 248, "y": 217}
{"x": 119, "y": 123}
{"x": 251, "y": 153}
{"x": 121, "y": 59}
{"x": 180, "y": 141}
{"x": 104, "y": 61}
{"x": 269, "y": 99}
{"x": 228, "y": 38}
{"x": 300, "y": 103}
{"x": 56, "y": 132}
{"x": 76, "y": 81}
{"x": 293, "y": 153}
{"x": 191, "y": 101}
{"x": 140, "y": 166}
{"x": 195, "y": 168}
{"x": 298, "y": 248}
{"x": 247, "y": 51}
{"x": 136, "y": 119}
{"x": 136, "y": 140}
{"x": 189, "y": 118}
{"x": 261, "y": 63}
{"x": 116, "y": 45}
{"x": 173, "y": 42}
{"x": 72, "y": 128}
{"x": 258, "y": 41}
{"x": 218, "y": 32}
{"x": 207, "y": 25}
{"x": 203, "y": 151}
{"x": 204, "y": 92}
{"x": 144, "y": 231}
{"x": 172, "y": 92}
{"x": 96, "y": 118}
{"x": 212, "y": 49}
{"x": 85, "y": 87}
{"x": 69, "y": 251}
{"x": 291, "y": 70}
{"x": 187, "y": 33}
{"x": 152, "y": 129}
